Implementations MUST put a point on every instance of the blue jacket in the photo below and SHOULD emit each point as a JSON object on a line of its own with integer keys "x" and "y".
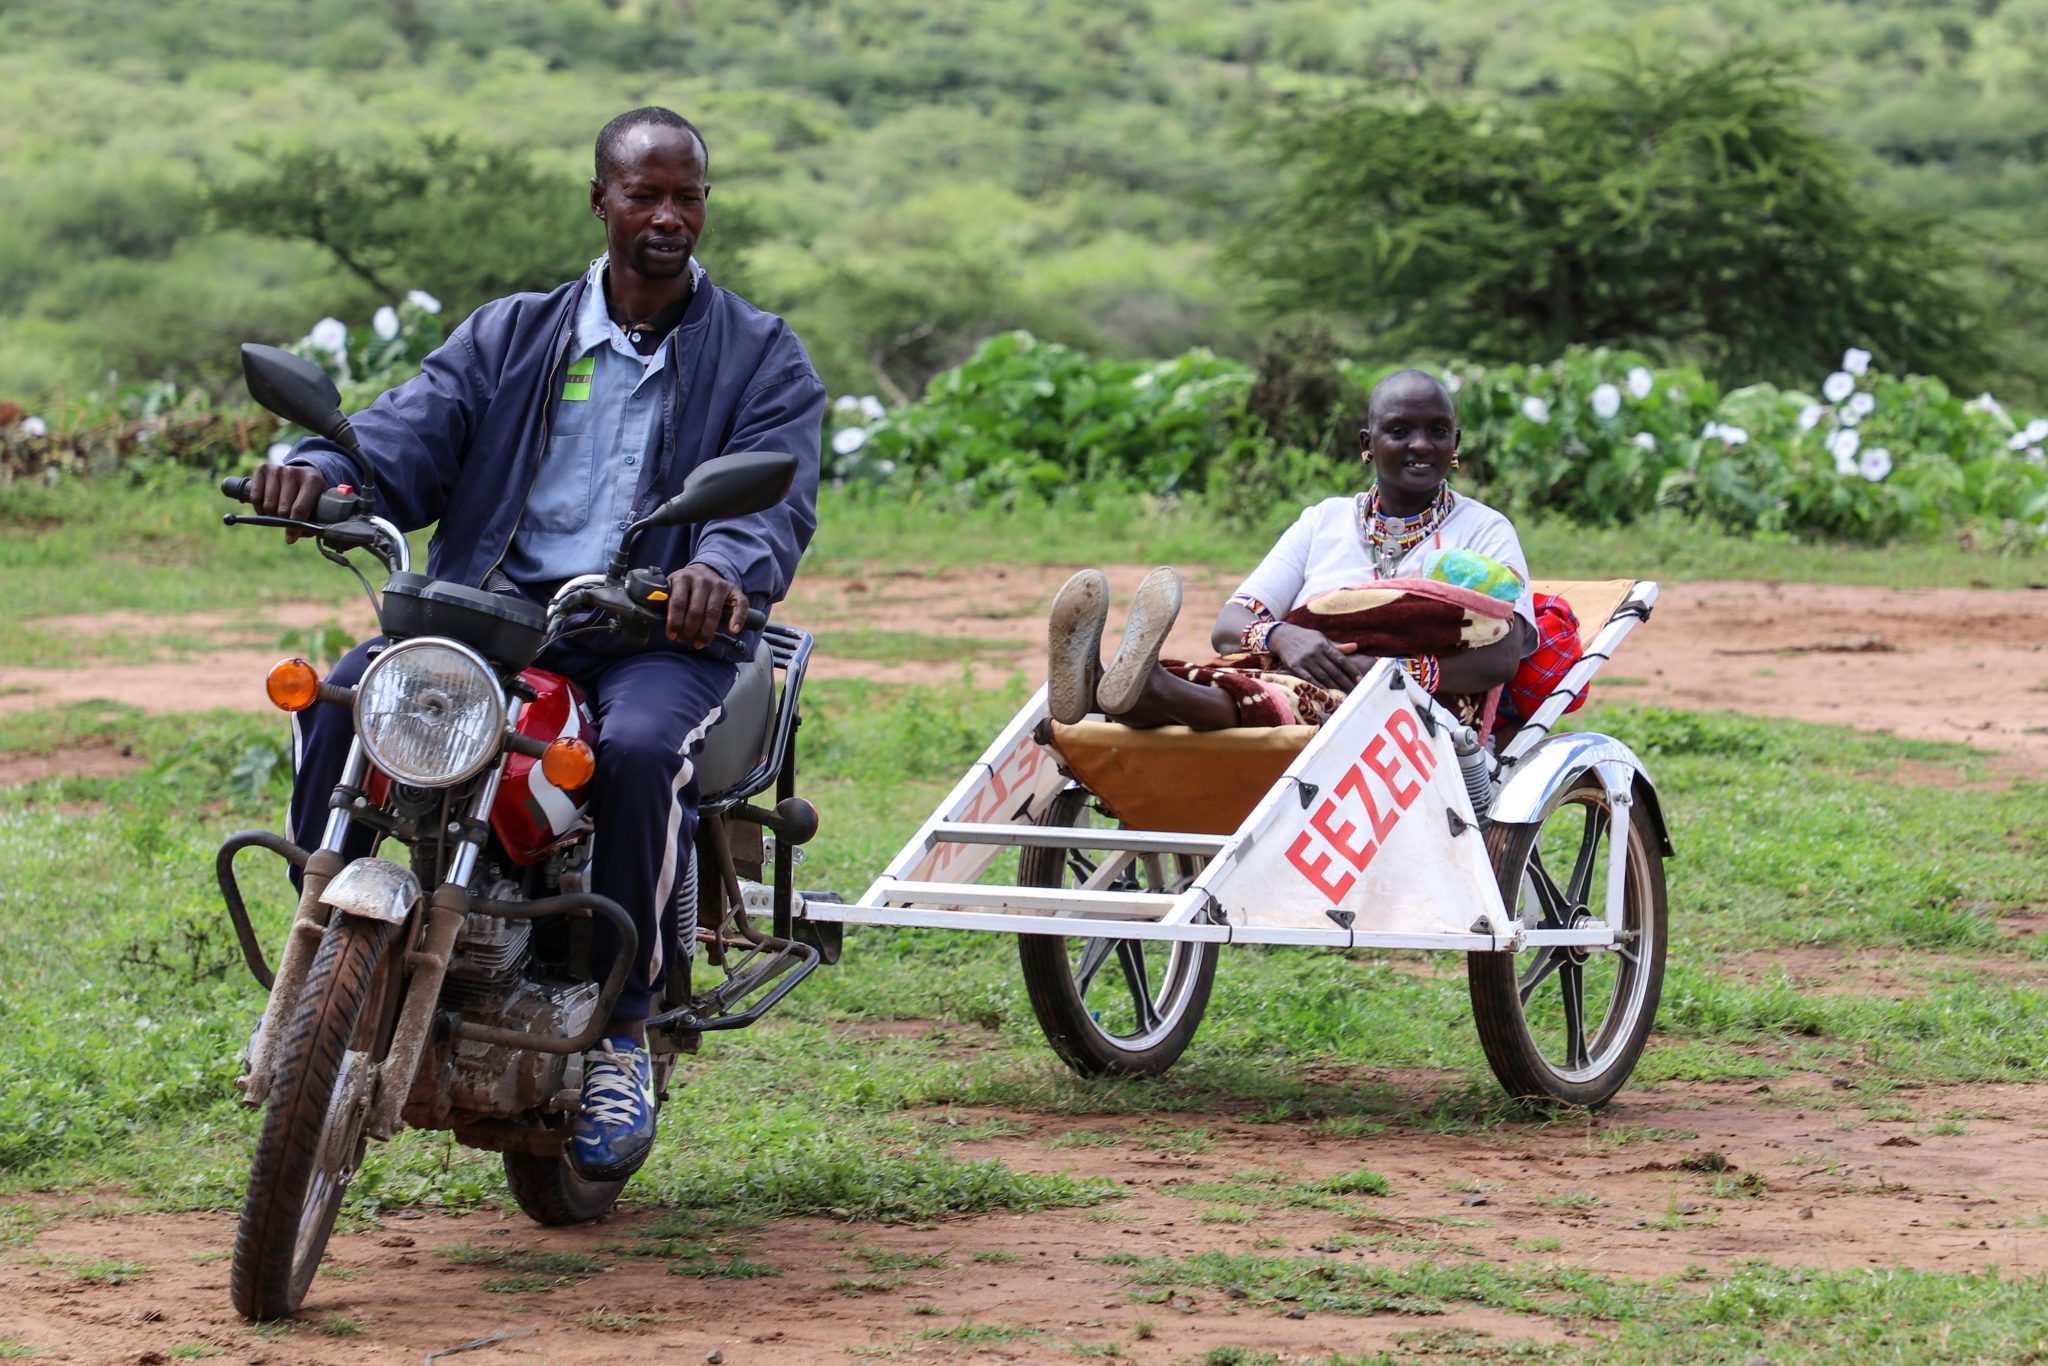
{"x": 460, "y": 443}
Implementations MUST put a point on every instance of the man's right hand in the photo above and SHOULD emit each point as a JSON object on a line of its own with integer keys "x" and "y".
{"x": 1310, "y": 654}
{"x": 287, "y": 491}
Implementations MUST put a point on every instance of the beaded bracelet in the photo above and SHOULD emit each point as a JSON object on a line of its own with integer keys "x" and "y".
{"x": 1426, "y": 670}
{"x": 1255, "y": 636}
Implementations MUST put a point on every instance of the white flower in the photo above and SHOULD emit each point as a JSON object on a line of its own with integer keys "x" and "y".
{"x": 1640, "y": 382}
{"x": 1848, "y": 417}
{"x": 1810, "y": 416}
{"x": 329, "y": 334}
{"x": 1535, "y": 409}
{"x": 1984, "y": 403}
{"x": 1876, "y": 463}
{"x": 1838, "y": 386}
{"x": 846, "y": 404}
{"x": 1862, "y": 404}
{"x": 2037, "y": 456}
{"x": 423, "y": 301}
{"x": 1733, "y": 436}
{"x": 1606, "y": 402}
{"x": 2037, "y": 430}
{"x": 2019, "y": 439}
{"x": 1855, "y": 362}
{"x": 1843, "y": 443}
{"x": 847, "y": 440}
{"x": 871, "y": 409}
{"x": 1645, "y": 440}
{"x": 385, "y": 323}
{"x": 1452, "y": 382}
{"x": 277, "y": 452}
{"x": 34, "y": 426}
{"x": 1845, "y": 465}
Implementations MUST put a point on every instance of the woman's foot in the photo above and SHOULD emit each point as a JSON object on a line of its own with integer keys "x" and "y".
{"x": 1074, "y": 645}
{"x": 1153, "y": 609}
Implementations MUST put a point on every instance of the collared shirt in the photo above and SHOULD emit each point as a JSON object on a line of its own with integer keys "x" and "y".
{"x": 603, "y": 424}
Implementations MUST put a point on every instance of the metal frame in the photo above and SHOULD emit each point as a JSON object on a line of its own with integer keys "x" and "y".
{"x": 936, "y": 879}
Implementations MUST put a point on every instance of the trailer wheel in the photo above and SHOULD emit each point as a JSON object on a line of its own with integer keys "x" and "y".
{"x": 1562, "y": 1024}
{"x": 1112, "y": 1007}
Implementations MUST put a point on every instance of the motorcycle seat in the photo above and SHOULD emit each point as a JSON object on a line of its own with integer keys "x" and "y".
{"x": 738, "y": 741}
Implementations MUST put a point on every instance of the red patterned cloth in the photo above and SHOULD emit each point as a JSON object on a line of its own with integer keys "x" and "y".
{"x": 1557, "y": 649}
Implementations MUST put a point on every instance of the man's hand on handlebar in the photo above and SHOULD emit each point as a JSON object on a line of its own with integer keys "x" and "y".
{"x": 700, "y": 601}
{"x": 287, "y": 491}
{"x": 1311, "y": 655}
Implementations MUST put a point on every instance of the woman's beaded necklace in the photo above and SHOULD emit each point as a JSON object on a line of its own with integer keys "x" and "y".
{"x": 1388, "y": 539}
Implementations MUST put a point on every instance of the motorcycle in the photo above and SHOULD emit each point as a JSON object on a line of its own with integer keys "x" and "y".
{"x": 448, "y": 984}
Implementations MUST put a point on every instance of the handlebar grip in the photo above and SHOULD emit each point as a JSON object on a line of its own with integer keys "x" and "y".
{"x": 756, "y": 619}
{"x": 237, "y": 487}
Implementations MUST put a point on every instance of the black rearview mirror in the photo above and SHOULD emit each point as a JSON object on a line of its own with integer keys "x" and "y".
{"x": 299, "y": 391}
{"x": 725, "y": 486}
{"x": 294, "y": 388}
{"x": 728, "y": 486}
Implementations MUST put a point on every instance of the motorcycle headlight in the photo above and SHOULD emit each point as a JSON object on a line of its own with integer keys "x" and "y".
{"x": 430, "y": 712}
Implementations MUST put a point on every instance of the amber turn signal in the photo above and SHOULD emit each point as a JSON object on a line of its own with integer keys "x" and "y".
{"x": 292, "y": 685}
{"x": 567, "y": 763}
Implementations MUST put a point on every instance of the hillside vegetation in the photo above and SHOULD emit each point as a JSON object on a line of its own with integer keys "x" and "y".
{"x": 901, "y": 179}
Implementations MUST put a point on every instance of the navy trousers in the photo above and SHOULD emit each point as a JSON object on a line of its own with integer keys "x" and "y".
{"x": 653, "y": 710}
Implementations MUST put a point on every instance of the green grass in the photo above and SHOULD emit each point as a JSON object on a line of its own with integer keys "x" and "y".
{"x": 1807, "y": 833}
{"x": 1781, "y": 1314}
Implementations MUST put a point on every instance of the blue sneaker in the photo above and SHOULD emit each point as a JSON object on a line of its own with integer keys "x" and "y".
{"x": 614, "y": 1129}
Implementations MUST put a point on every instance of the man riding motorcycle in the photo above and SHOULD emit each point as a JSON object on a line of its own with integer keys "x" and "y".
{"x": 534, "y": 436}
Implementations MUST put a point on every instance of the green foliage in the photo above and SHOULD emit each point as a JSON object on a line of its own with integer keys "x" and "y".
{"x": 1598, "y": 437}
{"x": 1023, "y": 417}
{"x": 1691, "y": 209}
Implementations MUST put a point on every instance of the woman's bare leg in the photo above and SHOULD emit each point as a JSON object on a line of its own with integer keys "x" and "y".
{"x": 1170, "y": 700}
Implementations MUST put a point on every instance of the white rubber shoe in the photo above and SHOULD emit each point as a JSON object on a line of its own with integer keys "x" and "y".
{"x": 1073, "y": 640}
{"x": 1153, "y": 609}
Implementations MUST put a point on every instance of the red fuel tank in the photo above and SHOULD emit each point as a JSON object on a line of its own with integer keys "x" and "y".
{"x": 532, "y": 816}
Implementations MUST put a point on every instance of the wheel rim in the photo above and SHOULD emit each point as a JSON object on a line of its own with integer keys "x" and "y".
{"x": 340, "y": 1149}
{"x": 1132, "y": 991}
{"x": 1582, "y": 1006}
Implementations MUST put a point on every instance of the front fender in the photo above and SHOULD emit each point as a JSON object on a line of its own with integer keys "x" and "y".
{"x": 1559, "y": 761}
{"x": 374, "y": 888}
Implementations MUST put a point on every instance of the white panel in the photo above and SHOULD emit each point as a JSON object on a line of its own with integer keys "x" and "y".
{"x": 1374, "y": 836}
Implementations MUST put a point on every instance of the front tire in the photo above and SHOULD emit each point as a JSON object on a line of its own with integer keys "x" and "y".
{"x": 312, "y": 1136}
{"x": 551, "y": 1193}
{"x": 1115, "y": 1023}
{"x": 1561, "y": 1024}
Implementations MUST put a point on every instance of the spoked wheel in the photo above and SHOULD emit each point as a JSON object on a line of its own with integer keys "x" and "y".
{"x": 312, "y": 1137}
{"x": 551, "y": 1192}
{"x": 1560, "y": 1023}
{"x": 1112, "y": 1007}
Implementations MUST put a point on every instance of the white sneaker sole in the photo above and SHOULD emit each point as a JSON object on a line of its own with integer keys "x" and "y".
{"x": 1153, "y": 609}
{"x": 1073, "y": 645}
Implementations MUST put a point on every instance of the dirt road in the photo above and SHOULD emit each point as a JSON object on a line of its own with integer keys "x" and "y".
{"x": 1941, "y": 664}
{"x": 1670, "y": 1178}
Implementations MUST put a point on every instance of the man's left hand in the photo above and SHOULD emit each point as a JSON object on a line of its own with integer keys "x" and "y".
{"x": 700, "y": 600}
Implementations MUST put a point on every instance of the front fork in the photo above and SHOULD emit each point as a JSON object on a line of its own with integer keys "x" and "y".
{"x": 425, "y": 959}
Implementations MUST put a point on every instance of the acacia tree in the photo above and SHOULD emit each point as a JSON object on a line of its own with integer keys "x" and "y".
{"x": 1688, "y": 210}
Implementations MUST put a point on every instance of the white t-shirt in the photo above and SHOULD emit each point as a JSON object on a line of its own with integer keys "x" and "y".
{"x": 1323, "y": 550}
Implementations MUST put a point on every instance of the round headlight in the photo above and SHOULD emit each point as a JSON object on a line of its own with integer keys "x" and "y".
{"x": 430, "y": 712}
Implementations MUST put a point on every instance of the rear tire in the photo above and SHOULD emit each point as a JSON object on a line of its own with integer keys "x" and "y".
{"x": 312, "y": 1135}
{"x": 1560, "y": 1025}
{"x": 1117, "y": 1023}
{"x": 551, "y": 1193}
